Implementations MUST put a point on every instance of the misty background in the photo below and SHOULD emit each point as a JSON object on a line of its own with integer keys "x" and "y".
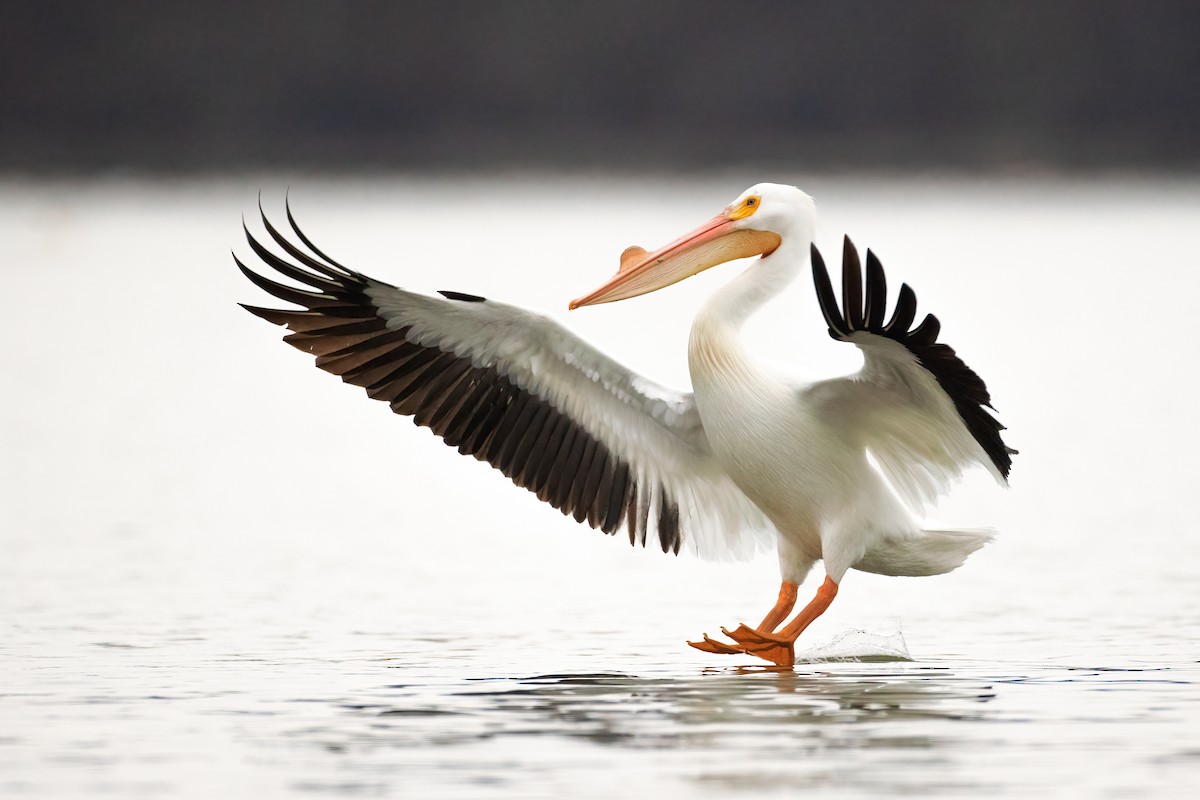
{"x": 226, "y": 574}
{"x": 599, "y": 86}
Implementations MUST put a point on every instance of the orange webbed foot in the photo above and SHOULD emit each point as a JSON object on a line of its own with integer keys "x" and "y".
{"x": 710, "y": 645}
{"x": 767, "y": 646}
{"x": 750, "y": 642}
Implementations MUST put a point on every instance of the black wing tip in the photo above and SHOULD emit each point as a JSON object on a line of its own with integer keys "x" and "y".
{"x": 899, "y": 326}
{"x": 287, "y": 207}
{"x": 852, "y": 286}
{"x": 875, "y": 299}
{"x": 462, "y": 297}
{"x": 962, "y": 385}
{"x": 249, "y": 273}
{"x": 269, "y": 314}
{"x": 838, "y": 328}
{"x": 927, "y": 332}
{"x": 818, "y": 261}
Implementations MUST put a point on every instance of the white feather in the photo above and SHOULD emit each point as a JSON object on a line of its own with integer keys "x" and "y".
{"x": 656, "y": 430}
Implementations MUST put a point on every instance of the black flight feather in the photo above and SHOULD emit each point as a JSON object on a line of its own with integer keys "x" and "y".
{"x": 476, "y": 409}
{"x": 960, "y": 383}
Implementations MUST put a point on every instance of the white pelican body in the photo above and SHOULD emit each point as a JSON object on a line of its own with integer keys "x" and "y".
{"x": 834, "y": 470}
{"x": 755, "y": 419}
{"x": 783, "y": 445}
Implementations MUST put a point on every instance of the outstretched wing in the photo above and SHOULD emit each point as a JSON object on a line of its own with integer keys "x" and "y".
{"x": 920, "y": 411}
{"x": 518, "y": 390}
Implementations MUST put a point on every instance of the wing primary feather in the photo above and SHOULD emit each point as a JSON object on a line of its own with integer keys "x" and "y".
{"x": 617, "y": 499}
{"x": 905, "y": 313}
{"x": 645, "y": 500}
{"x": 276, "y": 316}
{"x": 876, "y": 294}
{"x": 487, "y": 444}
{"x": 386, "y": 347}
{"x": 852, "y": 299}
{"x": 826, "y": 297}
{"x": 459, "y": 426}
{"x": 412, "y": 378}
{"x": 533, "y": 459}
{"x": 523, "y": 466}
{"x": 599, "y": 505}
{"x": 414, "y": 396}
{"x": 400, "y": 383}
{"x": 290, "y": 270}
{"x": 287, "y": 204}
{"x": 668, "y": 522}
{"x": 579, "y": 479}
{"x": 555, "y": 441}
{"x": 558, "y": 483}
{"x": 570, "y": 470}
{"x": 443, "y": 410}
{"x": 412, "y": 362}
{"x": 300, "y": 297}
{"x": 331, "y": 344}
{"x": 927, "y": 332}
{"x": 441, "y": 397}
{"x": 630, "y": 512}
{"x": 500, "y": 444}
{"x": 518, "y": 436}
{"x": 297, "y": 253}
{"x": 310, "y": 322}
{"x": 395, "y": 362}
{"x": 408, "y": 371}
{"x": 483, "y": 424}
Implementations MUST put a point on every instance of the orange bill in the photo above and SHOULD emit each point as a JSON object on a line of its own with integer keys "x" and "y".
{"x": 714, "y": 242}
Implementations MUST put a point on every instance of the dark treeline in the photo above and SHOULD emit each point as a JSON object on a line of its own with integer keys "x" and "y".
{"x": 587, "y": 85}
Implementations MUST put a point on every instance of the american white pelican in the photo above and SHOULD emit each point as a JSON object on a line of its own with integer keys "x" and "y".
{"x": 832, "y": 471}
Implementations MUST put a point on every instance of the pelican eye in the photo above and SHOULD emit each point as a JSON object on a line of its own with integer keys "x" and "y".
{"x": 746, "y": 207}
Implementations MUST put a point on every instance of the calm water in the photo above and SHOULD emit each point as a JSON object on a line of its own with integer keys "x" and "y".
{"x": 224, "y": 574}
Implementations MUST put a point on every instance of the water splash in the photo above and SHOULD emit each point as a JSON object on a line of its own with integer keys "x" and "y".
{"x": 859, "y": 645}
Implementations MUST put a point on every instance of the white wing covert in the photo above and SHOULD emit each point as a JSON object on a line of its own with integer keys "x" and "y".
{"x": 917, "y": 408}
{"x": 519, "y": 391}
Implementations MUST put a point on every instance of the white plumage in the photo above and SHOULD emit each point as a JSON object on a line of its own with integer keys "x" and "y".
{"x": 835, "y": 470}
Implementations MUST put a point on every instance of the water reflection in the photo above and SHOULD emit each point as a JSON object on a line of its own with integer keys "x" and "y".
{"x": 748, "y": 727}
{"x": 904, "y": 727}
{"x": 717, "y": 707}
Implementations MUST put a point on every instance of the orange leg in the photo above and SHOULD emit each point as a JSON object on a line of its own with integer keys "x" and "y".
{"x": 763, "y": 643}
{"x": 815, "y": 608}
{"x": 783, "y": 607}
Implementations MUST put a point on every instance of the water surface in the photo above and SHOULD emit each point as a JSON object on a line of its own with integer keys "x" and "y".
{"x": 225, "y": 574}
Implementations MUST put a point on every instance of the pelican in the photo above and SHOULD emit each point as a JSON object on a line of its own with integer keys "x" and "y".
{"x": 836, "y": 471}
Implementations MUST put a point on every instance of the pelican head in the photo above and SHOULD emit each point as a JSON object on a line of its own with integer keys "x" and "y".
{"x": 755, "y": 224}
